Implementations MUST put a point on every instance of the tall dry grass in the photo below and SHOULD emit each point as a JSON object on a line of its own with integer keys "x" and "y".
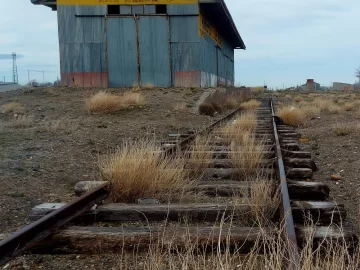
{"x": 246, "y": 154}
{"x": 104, "y": 102}
{"x": 200, "y": 154}
{"x": 245, "y": 122}
{"x": 12, "y": 107}
{"x": 252, "y": 104}
{"x": 271, "y": 251}
{"x": 138, "y": 170}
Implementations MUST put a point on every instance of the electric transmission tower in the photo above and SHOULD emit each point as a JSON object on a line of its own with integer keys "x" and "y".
{"x": 15, "y": 73}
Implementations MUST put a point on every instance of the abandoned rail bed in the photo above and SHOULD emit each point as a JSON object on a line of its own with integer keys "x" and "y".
{"x": 241, "y": 176}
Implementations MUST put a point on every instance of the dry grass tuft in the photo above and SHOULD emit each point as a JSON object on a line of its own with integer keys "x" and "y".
{"x": 357, "y": 115}
{"x": 12, "y": 107}
{"x": 180, "y": 107}
{"x": 139, "y": 170}
{"x": 245, "y": 122}
{"x": 334, "y": 109}
{"x": 292, "y": 116}
{"x": 148, "y": 86}
{"x": 252, "y": 104}
{"x": 200, "y": 157}
{"x": 246, "y": 154}
{"x": 311, "y": 112}
{"x": 343, "y": 129}
{"x": 21, "y": 121}
{"x": 349, "y": 107}
{"x": 298, "y": 99}
{"x": 257, "y": 91}
{"x": 61, "y": 124}
{"x": 105, "y": 102}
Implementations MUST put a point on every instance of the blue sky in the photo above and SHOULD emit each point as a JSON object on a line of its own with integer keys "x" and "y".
{"x": 287, "y": 41}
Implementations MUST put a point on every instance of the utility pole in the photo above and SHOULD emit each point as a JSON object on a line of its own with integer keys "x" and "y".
{"x": 15, "y": 73}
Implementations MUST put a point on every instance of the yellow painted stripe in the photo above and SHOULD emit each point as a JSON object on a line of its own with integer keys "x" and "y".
{"x": 124, "y": 2}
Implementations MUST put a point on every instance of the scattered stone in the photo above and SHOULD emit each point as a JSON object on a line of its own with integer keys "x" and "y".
{"x": 336, "y": 177}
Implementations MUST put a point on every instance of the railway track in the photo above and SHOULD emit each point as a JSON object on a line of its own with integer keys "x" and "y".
{"x": 228, "y": 218}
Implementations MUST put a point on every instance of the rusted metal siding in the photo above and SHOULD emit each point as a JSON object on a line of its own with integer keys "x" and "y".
{"x": 185, "y": 51}
{"x": 154, "y": 50}
{"x": 191, "y": 9}
{"x": 82, "y": 46}
{"x": 122, "y": 52}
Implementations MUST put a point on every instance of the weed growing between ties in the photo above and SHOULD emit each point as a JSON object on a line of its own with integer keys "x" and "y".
{"x": 138, "y": 170}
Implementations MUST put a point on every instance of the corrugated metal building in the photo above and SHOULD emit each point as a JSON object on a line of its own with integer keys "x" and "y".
{"x": 119, "y": 43}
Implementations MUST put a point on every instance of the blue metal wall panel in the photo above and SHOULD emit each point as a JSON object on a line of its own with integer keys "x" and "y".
{"x": 208, "y": 57}
{"x": 93, "y": 58}
{"x": 149, "y": 9}
{"x": 185, "y": 57}
{"x": 122, "y": 52}
{"x": 184, "y": 29}
{"x": 66, "y": 18}
{"x": 154, "y": 50}
{"x": 124, "y": 10}
{"x": 91, "y": 10}
{"x": 173, "y": 9}
{"x": 137, "y": 9}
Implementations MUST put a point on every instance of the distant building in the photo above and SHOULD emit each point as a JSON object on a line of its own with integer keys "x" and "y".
{"x": 338, "y": 86}
{"x": 164, "y": 43}
{"x": 311, "y": 85}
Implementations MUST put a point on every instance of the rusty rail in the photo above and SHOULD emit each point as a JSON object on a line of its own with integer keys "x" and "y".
{"x": 30, "y": 235}
{"x": 286, "y": 206}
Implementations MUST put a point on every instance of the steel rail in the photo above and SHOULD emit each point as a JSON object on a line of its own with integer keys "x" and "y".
{"x": 286, "y": 206}
{"x": 183, "y": 143}
{"x": 30, "y": 235}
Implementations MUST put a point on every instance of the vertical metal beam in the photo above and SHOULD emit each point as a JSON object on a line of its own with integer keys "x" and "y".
{"x": 170, "y": 65}
{"x": 294, "y": 255}
{"x": 136, "y": 18}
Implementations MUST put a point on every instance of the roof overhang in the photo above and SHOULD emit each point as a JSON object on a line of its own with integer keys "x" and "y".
{"x": 217, "y": 12}
{"x": 49, "y": 3}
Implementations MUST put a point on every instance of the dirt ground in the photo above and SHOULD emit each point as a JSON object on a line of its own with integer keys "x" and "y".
{"x": 42, "y": 162}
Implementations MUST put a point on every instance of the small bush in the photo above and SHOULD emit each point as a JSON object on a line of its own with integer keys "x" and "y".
{"x": 298, "y": 99}
{"x": 12, "y": 107}
{"x": 207, "y": 109}
{"x": 343, "y": 129}
{"x": 252, "y": 104}
{"x": 292, "y": 116}
{"x": 349, "y": 107}
{"x": 108, "y": 103}
{"x": 139, "y": 170}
